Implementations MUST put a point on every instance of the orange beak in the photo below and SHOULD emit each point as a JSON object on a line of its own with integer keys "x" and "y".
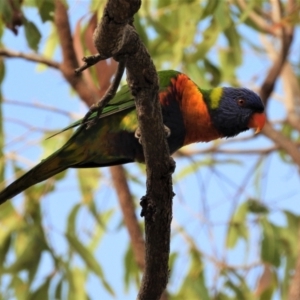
{"x": 257, "y": 121}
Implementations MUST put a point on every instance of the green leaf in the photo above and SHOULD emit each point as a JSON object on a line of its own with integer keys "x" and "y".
{"x": 100, "y": 227}
{"x": 89, "y": 259}
{"x": 237, "y": 227}
{"x": 2, "y": 70}
{"x": 210, "y": 8}
{"x": 257, "y": 207}
{"x": 221, "y": 11}
{"x": 270, "y": 243}
{"x": 194, "y": 283}
{"x": 10, "y": 221}
{"x": 97, "y": 6}
{"x": 132, "y": 272}
{"x": 6, "y": 11}
{"x": 31, "y": 3}
{"x": 4, "y": 247}
{"x": 228, "y": 67}
{"x": 238, "y": 286}
{"x": 58, "y": 289}
{"x": 213, "y": 71}
{"x": 88, "y": 183}
{"x": 293, "y": 221}
{"x": 19, "y": 287}
{"x": 71, "y": 227}
{"x": 163, "y": 3}
{"x": 197, "y": 73}
{"x": 46, "y": 10}
{"x": 29, "y": 245}
{"x": 289, "y": 236}
{"x": 2, "y": 138}
{"x": 172, "y": 259}
{"x": 234, "y": 42}
{"x": 50, "y": 45}
{"x": 245, "y": 12}
{"x": 42, "y": 292}
{"x": 210, "y": 36}
{"x": 77, "y": 281}
{"x": 32, "y": 34}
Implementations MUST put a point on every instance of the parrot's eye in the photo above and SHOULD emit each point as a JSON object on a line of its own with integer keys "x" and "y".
{"x": 241, "y": 102}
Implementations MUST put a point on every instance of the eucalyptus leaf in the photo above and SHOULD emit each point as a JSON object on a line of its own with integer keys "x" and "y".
{"x": 33, "y": 36}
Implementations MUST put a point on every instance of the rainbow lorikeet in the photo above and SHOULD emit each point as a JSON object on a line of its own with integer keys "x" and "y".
{"x": 190, "y": 114}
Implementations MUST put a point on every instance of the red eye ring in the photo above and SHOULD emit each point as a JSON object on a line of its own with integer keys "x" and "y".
{"x": 241, "y": 102}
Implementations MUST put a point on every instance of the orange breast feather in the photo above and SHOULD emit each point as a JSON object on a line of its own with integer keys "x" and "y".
{"x": 198, "y": 124}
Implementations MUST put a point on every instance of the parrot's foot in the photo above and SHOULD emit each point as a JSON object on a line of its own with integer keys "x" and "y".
{"x": 138, "y": 134}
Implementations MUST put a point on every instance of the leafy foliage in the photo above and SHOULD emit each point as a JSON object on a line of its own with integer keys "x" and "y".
{"x": 211, "y": 41}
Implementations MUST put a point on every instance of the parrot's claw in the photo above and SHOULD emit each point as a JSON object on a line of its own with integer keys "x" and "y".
{"x": 138, "y": 134}
{"x": 167, "y": 131}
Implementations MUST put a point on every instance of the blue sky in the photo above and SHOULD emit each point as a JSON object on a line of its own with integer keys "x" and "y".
{"x": 202, "y": 209}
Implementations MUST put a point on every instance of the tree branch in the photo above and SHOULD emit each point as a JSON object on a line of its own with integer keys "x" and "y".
{"x": 115, "y": 36}
{"x": 70, "y": 63}
{"x": 268, "y": 86}
{"x": 30, "y": 57}
{"x": 287, "y": 33}
{"x": 283, "y": 142}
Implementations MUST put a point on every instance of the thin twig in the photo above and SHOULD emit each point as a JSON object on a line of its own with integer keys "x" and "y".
{"x": 214, "y": 150}
{"x": 89, "y": 61}
{"x": 220, "y": 264}
{"x": 259, "y": 21}
{"x": 26, "y": 125}
{"x": 110, "y": 93}
{"x": 39, "y": 106}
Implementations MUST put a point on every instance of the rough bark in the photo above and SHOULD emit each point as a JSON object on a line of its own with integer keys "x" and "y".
{"x": 115, "y": 36}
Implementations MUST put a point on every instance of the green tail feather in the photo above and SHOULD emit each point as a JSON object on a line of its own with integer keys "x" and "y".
{"x": 44, "y": 170}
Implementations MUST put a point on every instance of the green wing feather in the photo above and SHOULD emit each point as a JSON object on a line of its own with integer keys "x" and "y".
{"x": 123, "y": 100}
